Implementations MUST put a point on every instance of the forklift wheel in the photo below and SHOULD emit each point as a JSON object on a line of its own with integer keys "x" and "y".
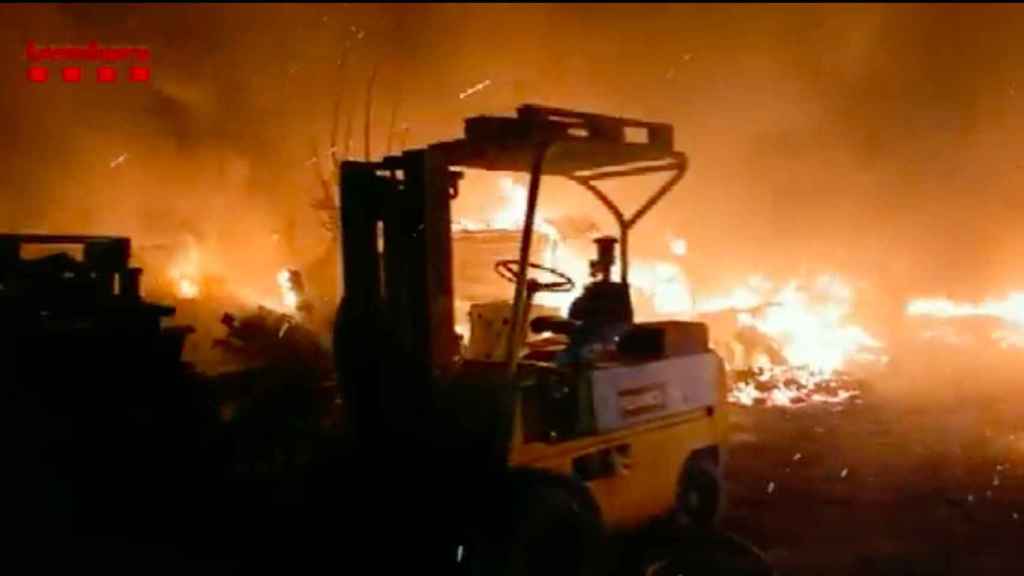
{"x": 550, "y": 524}
{"x": 700, "y": 492}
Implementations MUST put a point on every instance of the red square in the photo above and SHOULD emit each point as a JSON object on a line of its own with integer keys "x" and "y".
{"x": 37, "y": 74}
{"x": 71, "y": 74}
{"x": 138, "y": 74}
{"x": 106, "y": 74}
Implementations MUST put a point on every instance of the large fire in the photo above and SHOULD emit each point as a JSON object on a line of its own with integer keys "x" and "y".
{"x": 1009, "y": 311}
{"x": 809, "y": 323}
{"x": 811, "y": 327}
{"x": 511, "y": 214}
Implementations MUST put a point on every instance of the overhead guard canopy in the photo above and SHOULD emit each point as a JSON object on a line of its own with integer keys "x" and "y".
{"x": 577, "y": 142}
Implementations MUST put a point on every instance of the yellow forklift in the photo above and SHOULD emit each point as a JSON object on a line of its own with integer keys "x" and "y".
{"x": 523, "y": 464}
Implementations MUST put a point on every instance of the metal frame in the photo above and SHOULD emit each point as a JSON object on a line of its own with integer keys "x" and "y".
{"x": 677, "y": 165}
{"x": 406, "y": 199}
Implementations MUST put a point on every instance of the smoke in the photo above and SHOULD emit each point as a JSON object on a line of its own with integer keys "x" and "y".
{"x": 873, "y": 141}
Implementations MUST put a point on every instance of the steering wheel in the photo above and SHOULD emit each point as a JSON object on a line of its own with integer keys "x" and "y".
{"x": 509, "y": 270}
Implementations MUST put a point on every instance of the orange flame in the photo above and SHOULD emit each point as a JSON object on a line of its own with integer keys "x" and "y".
{"x": 1009, "y": 310}
{"x": 678, "y": 246}
{"x": 812, "y": 327}
{"x": 187, "y": 289}
{"x": 185, "y": 273}
{"x": 289, "y": 296}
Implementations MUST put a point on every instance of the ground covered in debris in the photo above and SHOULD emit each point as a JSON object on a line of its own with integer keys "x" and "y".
{"x": 920, "y": 484}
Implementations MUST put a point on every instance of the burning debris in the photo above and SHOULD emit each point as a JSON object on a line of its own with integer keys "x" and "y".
{"x": 267, "y": 337}
{"x": 811, "y": 325}
{"x": 788, "y": 345}
{"x": 786, "y": 386}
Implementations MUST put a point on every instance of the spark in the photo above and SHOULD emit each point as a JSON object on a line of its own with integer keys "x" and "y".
{"x": 771, "y": 487}
{"x": 119, "y": 160}
{"x": 474, "y": 89}
{"x": 311, "y": 161}
{"x": 797, "y": 456}
{"x": 458, "y": 554}
{"x": 678, "y": 246}
{"x": 844, "y": 472}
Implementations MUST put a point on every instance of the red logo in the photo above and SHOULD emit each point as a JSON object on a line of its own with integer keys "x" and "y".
{"x": 76, "y": 60}
{"x": 37, "y": 74}
{"x": 71, "y": 74}
{"x": 138, "y": 73}
{"x": 106, "y": 74}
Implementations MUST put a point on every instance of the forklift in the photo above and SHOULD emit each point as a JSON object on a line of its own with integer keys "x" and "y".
{"x": 529, "y": 462}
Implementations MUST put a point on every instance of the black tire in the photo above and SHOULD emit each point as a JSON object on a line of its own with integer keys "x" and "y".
{"x": 548, "y": 524}
{"x": 699, "y": 495}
